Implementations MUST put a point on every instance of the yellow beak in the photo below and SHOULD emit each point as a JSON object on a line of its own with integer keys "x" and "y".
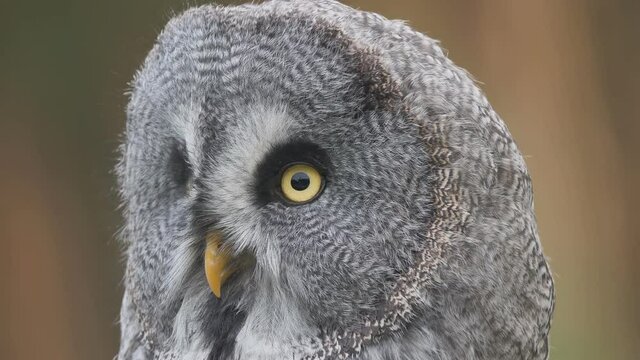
{"x": 216, "y": 262}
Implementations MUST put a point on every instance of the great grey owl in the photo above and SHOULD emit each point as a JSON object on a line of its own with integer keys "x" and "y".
{"x": 302, "y": 180}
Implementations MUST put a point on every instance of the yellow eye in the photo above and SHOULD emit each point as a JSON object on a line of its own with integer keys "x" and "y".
{"x": 301, "y": 183}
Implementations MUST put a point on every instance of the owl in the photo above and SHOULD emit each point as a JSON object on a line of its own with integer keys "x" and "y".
{"x": 303, "y": 180}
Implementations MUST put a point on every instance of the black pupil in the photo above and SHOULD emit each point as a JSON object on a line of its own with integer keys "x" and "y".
{"x": 300, "y": 181}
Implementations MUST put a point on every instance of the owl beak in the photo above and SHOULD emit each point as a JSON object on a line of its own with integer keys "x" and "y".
{"x": 216, "y": 263}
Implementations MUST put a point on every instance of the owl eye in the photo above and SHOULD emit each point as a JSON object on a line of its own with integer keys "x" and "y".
{"x": 301, "y": 183}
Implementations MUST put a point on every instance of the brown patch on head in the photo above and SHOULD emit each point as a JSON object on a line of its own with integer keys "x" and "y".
{"x": 382, "y": 91}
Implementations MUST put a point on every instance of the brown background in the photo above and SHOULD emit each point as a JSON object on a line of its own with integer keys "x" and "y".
{"x": 563, "y": 74}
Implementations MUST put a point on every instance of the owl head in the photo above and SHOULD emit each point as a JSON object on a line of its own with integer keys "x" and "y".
{"x": 305, "y": 180}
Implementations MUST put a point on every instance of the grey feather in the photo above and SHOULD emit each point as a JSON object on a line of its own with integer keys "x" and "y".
{"x": 423, "y": 244}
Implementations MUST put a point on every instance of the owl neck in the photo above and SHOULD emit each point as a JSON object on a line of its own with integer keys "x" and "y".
{"x": 273, "y": 326}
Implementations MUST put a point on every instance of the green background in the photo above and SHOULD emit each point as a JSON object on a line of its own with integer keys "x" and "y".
{"x": 563, "y": 75}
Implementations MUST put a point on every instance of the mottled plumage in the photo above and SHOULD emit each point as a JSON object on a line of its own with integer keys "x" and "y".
{"x": 423, "y": 244}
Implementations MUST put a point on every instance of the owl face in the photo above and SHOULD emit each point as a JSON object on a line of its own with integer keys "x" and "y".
{"x": 285, "y": 181}
{"x": 292, "y": 144}
{"x": 363, "y": 200}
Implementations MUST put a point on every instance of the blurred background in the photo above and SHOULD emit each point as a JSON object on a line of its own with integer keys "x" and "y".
{"x": 564, "y": 75}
